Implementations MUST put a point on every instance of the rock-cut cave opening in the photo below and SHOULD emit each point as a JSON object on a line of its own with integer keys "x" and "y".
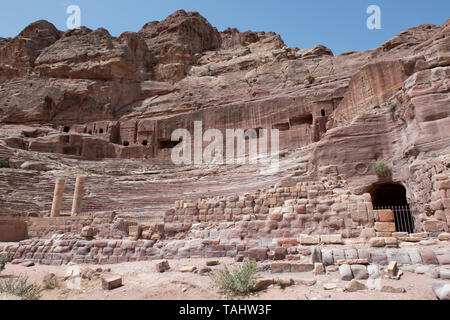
{"x": 393, "y": 196}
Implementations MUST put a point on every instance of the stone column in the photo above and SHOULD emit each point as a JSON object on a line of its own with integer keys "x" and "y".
{"x": 78, "y": 196}
{"x": 57, "y": 197}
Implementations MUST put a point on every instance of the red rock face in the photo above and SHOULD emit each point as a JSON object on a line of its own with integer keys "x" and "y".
{"x": 112, "y": 103}
{"x": 175, "y": 41}
{"x": 18, "y": 55}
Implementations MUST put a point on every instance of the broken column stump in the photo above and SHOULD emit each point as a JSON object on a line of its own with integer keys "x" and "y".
{"x": 78, "y": 195}
{"x": 57, "y": 197}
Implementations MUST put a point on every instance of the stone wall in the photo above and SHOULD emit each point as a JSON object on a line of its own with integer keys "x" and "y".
{"x": 304, "y": 251}
{"x": 305, "y": 207}
{"x": 12, "y": 230}
{"x": 429, "y": 189}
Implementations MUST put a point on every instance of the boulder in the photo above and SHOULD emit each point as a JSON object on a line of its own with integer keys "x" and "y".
{"x": 188, "y": 269}
{"x": 441, "y": 290}
{"x": 390, "y": 289}
{"x": 345, "y": 272}
{"x": 374, "y": 271}
{"x": 212, "y": 263}
{"x": 262, "y": 284}
{"x": 259, "y": 254}
{"x": 444, "y": 236}
{"x": 162, "y": 266}
{"x": 360, "y": 272}
{"x": 354, "y": 286}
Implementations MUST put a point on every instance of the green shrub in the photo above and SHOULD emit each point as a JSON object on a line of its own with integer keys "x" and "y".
{"x": 4, "y": 163}
{"x": 283, "y": 284}
{"x": 392, "y": 107}
{"x": 381, "y": 169}
{"x": 238, "y": 282}
{"x": 19, "y": 287}
{"x": 50, "y": 282}
{"x": 4, "y": 258}
{"x": 435, "y": 155}
{"x": 311, "y": 79}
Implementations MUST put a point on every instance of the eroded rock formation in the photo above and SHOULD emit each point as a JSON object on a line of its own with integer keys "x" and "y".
{"x": 83, "y": 102}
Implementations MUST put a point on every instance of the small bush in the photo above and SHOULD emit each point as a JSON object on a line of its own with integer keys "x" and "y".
{"x": 4, "y": 163}
{"x": 50, "y": 282}
{"x": 381, "y": 169}
{"x": 244, "y": 43}
{"x": 392, "y": 107}
{"x": 435, "y": 155}
{"x": 238, "y": 282}
{"x": 311, "y": 79}
{"x": 19, "y": 287}
{"x": 4, "y": 258}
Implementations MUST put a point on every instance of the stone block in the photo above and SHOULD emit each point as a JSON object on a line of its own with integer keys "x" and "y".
{"x": 433, "y": 226}
{"x": 399, "y": 256}
{"x": 379, "y": 258}
{"x": 309, "y": 240}
{"x": 345, "y": 272}
{"x": 415, "y": 256}
{"x": 386, "y": 216}
{"x": 111, "y": 281}
{"x": 162, "y": 266}
{"x": 428, "y": 256}
{"x": 327, "y": 257}
{"x": 385, "y": 227}
{"x": 259, "y": 254}
{"x": 360, "y": 272}
{"x": 301, "y": 267}
{"x": 331, "y": 239}
{"x": 280, "y": 267}
{"x": 377, "y": 242}
{"x": 374, "y": 271}
{"x": 444, "y": 259}
{"x": 319, "y": 269}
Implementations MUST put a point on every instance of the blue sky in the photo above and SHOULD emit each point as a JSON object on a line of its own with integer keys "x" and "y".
{"x": 339, "y": 25}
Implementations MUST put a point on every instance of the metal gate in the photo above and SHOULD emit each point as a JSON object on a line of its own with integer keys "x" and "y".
{"x": 404, "y": 220}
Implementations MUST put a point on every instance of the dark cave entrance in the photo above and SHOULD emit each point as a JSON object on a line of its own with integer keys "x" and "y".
{"x": 391, "y": 196}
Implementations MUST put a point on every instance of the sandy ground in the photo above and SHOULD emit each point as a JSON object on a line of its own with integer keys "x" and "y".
{"x": 141, "y": 281}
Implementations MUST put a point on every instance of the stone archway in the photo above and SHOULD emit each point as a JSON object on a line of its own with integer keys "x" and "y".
{"x": 392, "y": 196}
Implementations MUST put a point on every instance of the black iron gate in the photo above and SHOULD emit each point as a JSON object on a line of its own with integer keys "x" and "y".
{"x": 404, "y": 220}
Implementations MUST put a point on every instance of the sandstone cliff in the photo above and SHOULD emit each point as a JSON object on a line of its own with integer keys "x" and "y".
{"x": 85, "y": 101}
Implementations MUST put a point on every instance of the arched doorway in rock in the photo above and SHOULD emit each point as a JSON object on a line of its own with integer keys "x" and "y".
{"x": 390, "y": 196}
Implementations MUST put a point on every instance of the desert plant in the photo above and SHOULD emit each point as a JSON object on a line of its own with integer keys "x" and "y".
{"x": 381, "y": 169}
{"x": 435, "y": 155}
{"x": 4, "y": 258}
{"x": 392, "y": 107}
{"x": 4, "y": 163}
{"x": 237, "y": 282}
{"x": 284, "y": 284}
{"x": 50, "y": 282}
{"x": 19, "y": 287}
{"x": 311, "y": 79}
